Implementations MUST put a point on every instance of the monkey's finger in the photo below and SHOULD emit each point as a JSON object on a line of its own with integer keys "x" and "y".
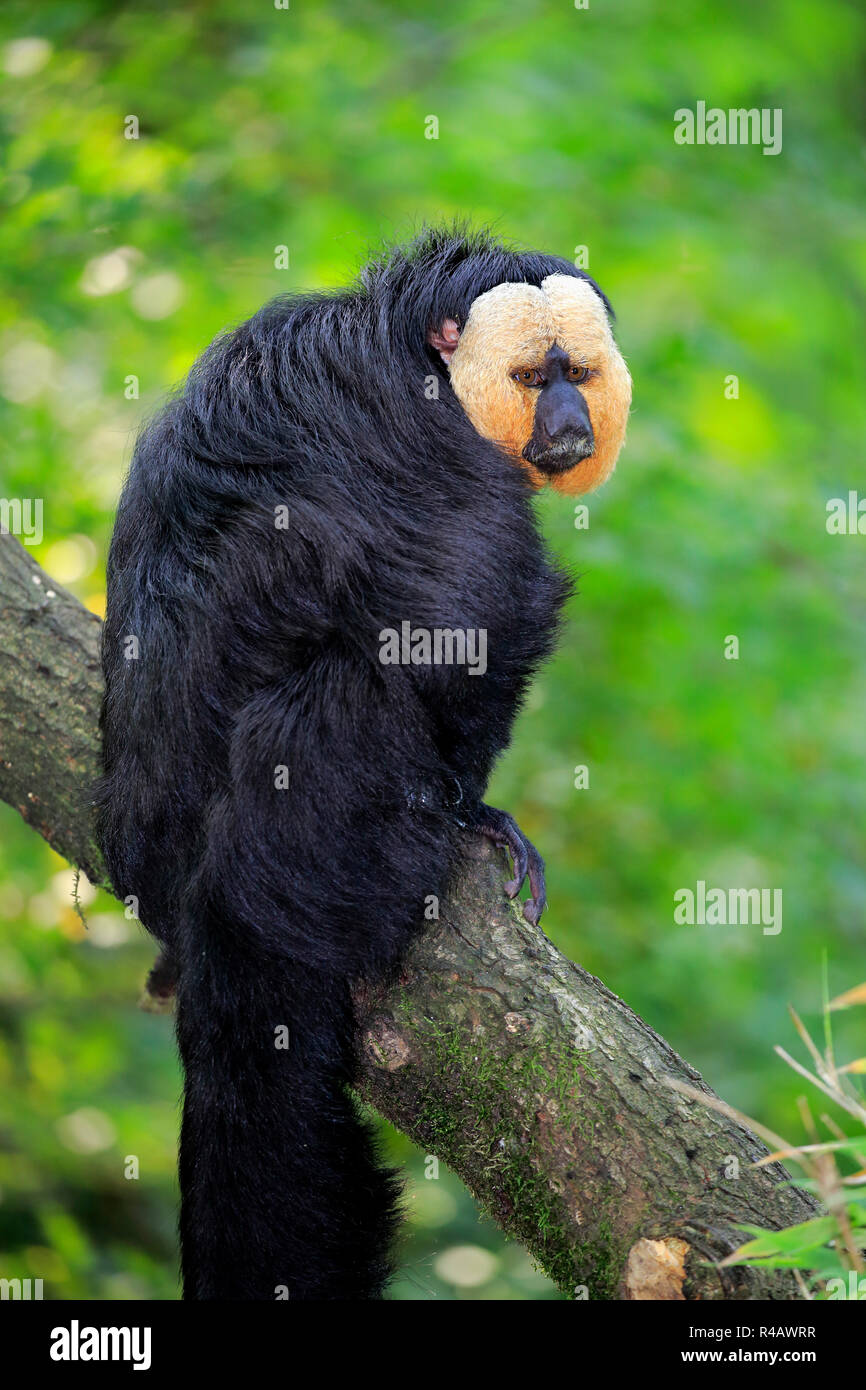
{"x": 517, "y": 848}
{"x": 533, "y": 908}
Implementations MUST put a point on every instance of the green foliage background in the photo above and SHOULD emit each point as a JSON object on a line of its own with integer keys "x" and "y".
{"x": 262, "y": 127}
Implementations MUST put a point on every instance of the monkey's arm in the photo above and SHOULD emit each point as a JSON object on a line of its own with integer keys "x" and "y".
{"x": 473, "y": 718}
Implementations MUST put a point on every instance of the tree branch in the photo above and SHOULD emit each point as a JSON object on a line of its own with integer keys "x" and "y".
{"x": 544, "y": 1092}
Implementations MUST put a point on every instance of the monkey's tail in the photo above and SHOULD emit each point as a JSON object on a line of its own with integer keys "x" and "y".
{"x": 281, "y": 1192}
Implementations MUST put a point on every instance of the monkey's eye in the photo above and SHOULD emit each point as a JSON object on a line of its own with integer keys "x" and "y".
{"x": 528, "y": 376}
{"x": 578, "y": 374}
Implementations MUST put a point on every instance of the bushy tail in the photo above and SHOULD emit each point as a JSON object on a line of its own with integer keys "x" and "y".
{"x": 281, "y": 1194}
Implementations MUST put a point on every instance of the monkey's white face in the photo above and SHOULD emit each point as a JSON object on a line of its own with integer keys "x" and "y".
{"x": 538, "y": 372}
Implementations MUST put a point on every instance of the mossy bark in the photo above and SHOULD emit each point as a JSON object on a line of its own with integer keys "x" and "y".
{"x": 525, "y": 1074}
{"x": 549, "y": 1097}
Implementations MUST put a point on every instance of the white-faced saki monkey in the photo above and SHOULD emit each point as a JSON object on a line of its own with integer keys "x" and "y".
{"x": 279, "y": 795}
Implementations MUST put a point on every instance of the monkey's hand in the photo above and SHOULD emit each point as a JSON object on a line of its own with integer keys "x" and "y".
{"x": 504, "y": 831}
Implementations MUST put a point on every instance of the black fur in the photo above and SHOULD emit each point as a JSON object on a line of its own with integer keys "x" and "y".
{"x": 258, "y": 647}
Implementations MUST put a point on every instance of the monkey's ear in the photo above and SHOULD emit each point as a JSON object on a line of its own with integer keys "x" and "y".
{"x": 445, "y": 339}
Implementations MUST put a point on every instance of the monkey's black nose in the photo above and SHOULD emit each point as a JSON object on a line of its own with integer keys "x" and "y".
{"x": 562, "y": 433}
{"x": 563, "y": 417}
